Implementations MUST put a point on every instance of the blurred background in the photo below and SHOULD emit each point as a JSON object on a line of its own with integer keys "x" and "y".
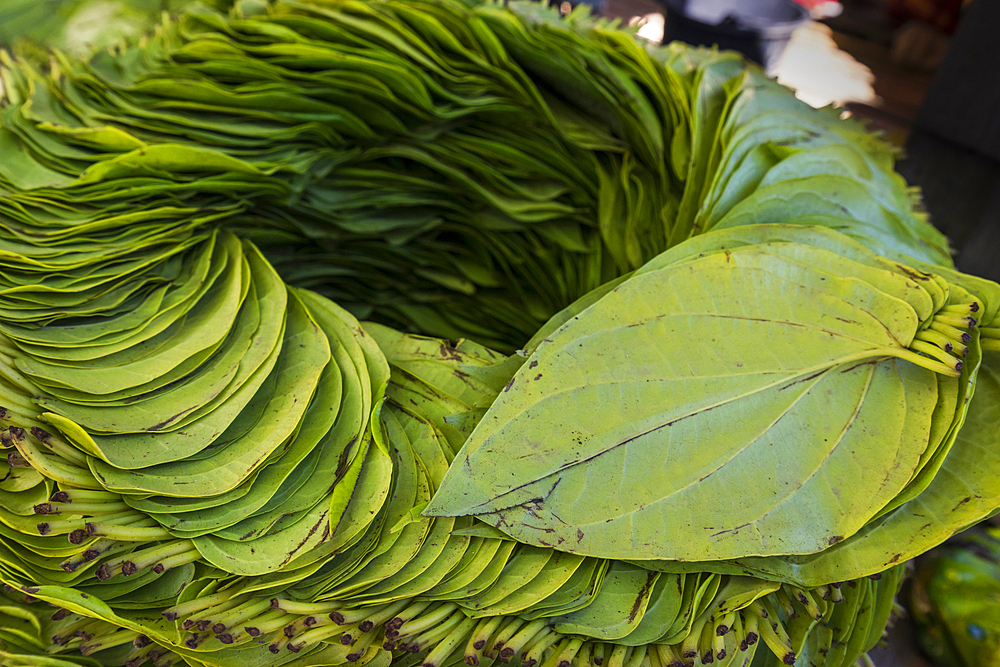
{"x": 876, "y": 56}
{"x": 924, "y": 73}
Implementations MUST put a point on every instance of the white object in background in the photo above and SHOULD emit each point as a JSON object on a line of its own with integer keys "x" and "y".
{"x": 826, "y": 10}
{"x": 820, "y": 73}
{"x": 650, "y": 27}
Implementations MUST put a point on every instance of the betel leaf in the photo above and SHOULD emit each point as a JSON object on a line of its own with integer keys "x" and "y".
{"x": 620, "y": 609}
{"x": 629, "y": 427}
{"x": 929, "y": 518}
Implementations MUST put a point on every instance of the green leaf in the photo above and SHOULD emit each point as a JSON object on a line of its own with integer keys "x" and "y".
{"x": 788, "y": 390}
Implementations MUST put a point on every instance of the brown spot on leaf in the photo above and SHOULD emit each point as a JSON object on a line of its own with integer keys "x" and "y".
{"x": 448, "y": 352}
{"x": 915, "y": 275}
{"x": 650, "y": 579}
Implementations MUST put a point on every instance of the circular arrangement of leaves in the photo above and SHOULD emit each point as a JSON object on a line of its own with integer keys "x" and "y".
{"x": 434, "y": 331}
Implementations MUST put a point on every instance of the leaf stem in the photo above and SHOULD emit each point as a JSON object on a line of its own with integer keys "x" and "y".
{"x": 452, "y": 641}
{"x": 59, "y": 447}
{"x": 510, "y": 627}
{"x": 360, "y": 646}
{"x": 83, "y": 495}
{"x": 93, "y": 551}
{"x": 115, "y": 638}
{"x": 668, "y": 657}
{"x": 951, "y": 370}
{"x": 513, "y": 647}
{"x": 91, "y": 509}
{"x": 129, "y": 533}
{"x": 773, "y": 633}
{"x": 305, "y": 608}
{"x": 438, "y": 615}
{"x": 205, "y": 619}
{"x": 266, "y": 623}
{"x": 369, "y": 617}
{"x": 935, "y": 338}
{"x": 951, "y": 332}
{"x": 52, "y": 468}
{"x": 480, "y": 639}
{"x": 959, "y": 321}
{"x": 241, "y": 613}
{"x": 140, "y": 560}
{"x": 962, "y": 309}
{"x": 534, "y": 651}
{"x": 194, "y": 606}
{"x": 314, "y": 635}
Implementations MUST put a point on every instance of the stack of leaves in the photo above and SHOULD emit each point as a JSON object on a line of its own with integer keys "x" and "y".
{"x": 746, "y": 400}
{"x": 296, "y": 529}
{"x": 450, "y": 170}
{"x": 79, "y": 27}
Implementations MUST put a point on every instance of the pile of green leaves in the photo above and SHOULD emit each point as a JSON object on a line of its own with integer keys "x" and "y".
{"x": 706, "y": 378}
{"x": 454, "y": 172}
{"x": 78, "y": 27}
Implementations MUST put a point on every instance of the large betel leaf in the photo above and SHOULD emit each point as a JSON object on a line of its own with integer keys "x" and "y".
{"x": 638, "y": 428}
{"x": 962, "y": 493}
